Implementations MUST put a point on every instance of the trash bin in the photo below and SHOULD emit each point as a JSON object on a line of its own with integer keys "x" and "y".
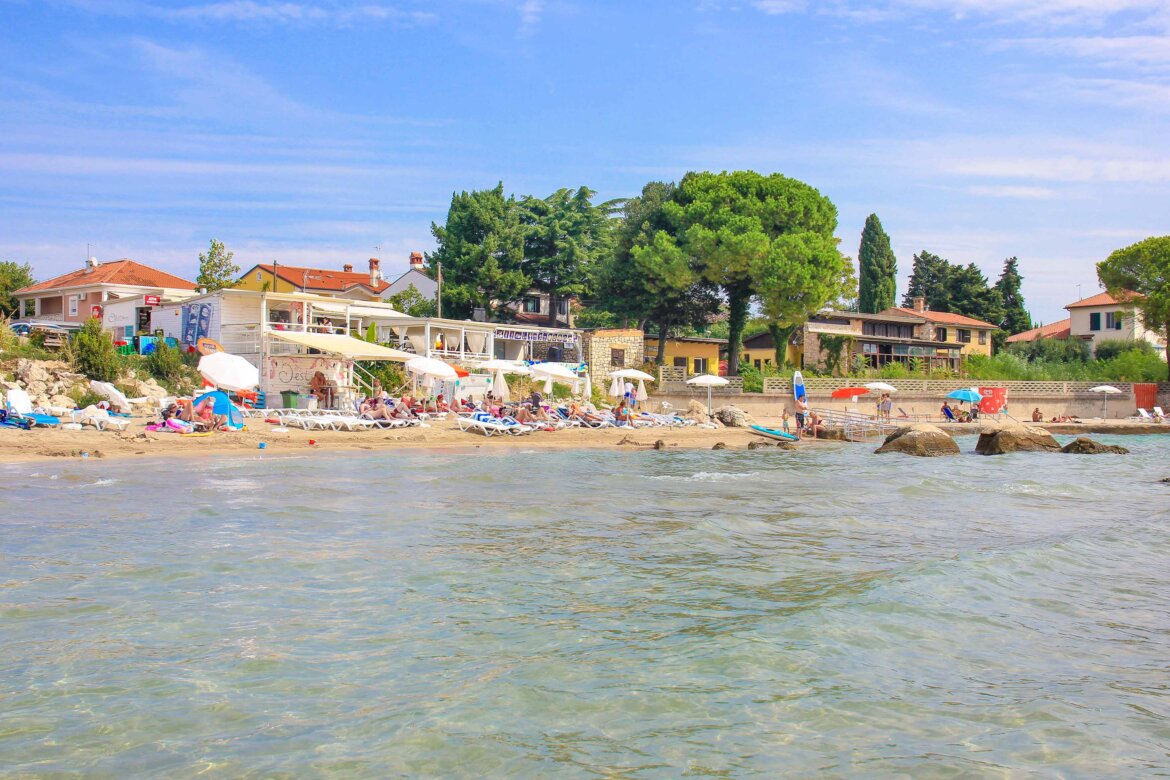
{"x": 289, "y": 398}
{"x": 306, "y": 401}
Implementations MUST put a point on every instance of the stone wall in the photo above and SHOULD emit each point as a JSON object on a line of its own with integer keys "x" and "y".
{"x": 599, "y": 344}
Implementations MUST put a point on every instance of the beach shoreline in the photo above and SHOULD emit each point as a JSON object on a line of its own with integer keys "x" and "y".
{"x": 40, "y": 444}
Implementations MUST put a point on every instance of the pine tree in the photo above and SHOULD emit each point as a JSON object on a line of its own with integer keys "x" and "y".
{"x": 930, "y": 279}
{"x": 216, "y": 269}
{"x": 878, "y": 268}
{"x": 1015, "y": 315}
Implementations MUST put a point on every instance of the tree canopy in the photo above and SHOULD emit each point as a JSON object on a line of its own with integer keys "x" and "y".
{"x": 1142, "y": 268}
{"x": 950, "y": 287}
{"x": 877, "y": 269}
{"x": 13, "y": 276}
{"x": 481, "y": 249}
{"x": 216, "y": 269}
{"x": 769, "y": 237}
{"x": 565, "y": 235}
{"x": 1015, "y": 314}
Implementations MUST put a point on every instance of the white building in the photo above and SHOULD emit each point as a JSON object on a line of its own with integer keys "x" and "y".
{"x": 1102, "y": 317}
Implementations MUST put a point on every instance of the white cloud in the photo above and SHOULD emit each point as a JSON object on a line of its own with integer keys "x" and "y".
{"x": 286, "y": 12}
{"x": 530, "y": 13}
{"x": 1129, "y": 50}
{"x": 779, "y": 6}
{"x": 1012, "y": 191}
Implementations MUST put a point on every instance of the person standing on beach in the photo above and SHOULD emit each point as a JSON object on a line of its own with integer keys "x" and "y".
{"x": 801, "y": 408}
{"x": 784, "y": 420}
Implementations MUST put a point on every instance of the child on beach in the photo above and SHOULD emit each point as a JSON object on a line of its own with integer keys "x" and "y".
{"x": 784, "y": 420}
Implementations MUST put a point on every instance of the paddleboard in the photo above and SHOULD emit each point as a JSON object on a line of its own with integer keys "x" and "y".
{"x": 772, "y": 433}
{"x": 797, "y": 386}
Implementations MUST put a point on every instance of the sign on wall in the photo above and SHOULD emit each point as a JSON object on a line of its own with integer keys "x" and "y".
{"x": 294, "y": 372}
{"x": 152, "y": 300}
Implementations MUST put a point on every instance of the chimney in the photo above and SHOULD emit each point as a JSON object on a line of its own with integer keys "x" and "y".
{"x": 375, "y": 271}
{"x": 347, "y": 268}
{"x": 91, "y": 264}
{"x": 919, "y": 304}
{"x": 416, "y": 261}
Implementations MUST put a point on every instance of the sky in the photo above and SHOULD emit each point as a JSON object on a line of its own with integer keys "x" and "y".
{"x": 325, "y": 132}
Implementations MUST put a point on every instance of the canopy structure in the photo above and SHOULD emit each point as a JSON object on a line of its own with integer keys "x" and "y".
{"x": 346, "y": 346}
{"x": 425, "y": 366}
{"x": 881, "y": 387}
{"x": 504, "y": 366}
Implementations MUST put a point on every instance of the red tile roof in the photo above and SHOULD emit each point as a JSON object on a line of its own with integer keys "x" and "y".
{"x": 941, "y": 317}
{"x": 324, "y": 278}
{"x": 127, "y": 272}
{"x": 1100, "y": 299}
{"x": 1057, "y": 330}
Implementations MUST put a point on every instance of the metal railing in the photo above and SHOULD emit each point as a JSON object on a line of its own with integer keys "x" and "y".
{"x": 855, "y": 426}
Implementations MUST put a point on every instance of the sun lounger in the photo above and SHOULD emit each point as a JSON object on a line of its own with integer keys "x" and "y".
{"x": 1141, "y": 416}
{"x": 20, "y": 404}
{"x": 479, "y": 425}
{"x": 1159, "y": 415}
{"x": 14, "y": 421}
{"x": 100, "y": 419}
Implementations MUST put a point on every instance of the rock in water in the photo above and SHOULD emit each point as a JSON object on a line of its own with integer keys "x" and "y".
{"x": 719, "y": 446}
{"x": 925, "y": 441}
{"x": 1083, "y": 445}
{"x": 755, "y": 445}
{"x": 732, "y": 417}
{"x": 1015, "y": 438}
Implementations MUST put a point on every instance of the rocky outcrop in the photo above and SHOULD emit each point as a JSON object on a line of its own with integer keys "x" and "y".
{"x": 50, "y": 383}
{"x": 719, "y": 446}
{"x": 1083, "y": 445}
{"x": 733, "y": 417}
{"x": 922, "y": 440}
{"x": 1015, "y": 438}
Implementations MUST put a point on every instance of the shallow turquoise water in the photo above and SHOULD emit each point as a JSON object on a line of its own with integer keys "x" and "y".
{"x": 644, "y": 614}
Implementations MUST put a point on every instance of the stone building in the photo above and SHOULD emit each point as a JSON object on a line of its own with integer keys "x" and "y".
{"x": 607, "y": 349}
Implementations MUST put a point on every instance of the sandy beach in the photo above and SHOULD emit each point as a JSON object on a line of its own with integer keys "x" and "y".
{"x": 45, "y": 443}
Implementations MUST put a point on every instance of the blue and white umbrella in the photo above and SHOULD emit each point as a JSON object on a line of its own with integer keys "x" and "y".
{"x": 965, "y": 394}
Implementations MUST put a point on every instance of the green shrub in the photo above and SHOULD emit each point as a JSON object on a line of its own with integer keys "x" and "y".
{"x": 1108, "y": 350}
{"x": 1052, "y": 350}
{"x": 84, "y": 397}
{"x": 1135, "y": 365}
{"x": 170, "y": 367}
{"x": 94, "y": 353}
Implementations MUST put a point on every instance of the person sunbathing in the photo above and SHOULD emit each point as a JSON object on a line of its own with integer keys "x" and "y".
{"x": 375, "y": 408}
{"x": 522, "y": 415}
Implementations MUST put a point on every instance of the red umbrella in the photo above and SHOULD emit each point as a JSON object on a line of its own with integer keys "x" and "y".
{"x": 849, "y": 392}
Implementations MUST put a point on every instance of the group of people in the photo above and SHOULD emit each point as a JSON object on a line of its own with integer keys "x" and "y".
{"x": 954, "y": 414}
{"x": 808, "y": 422}
{"x": 381, "y": 405}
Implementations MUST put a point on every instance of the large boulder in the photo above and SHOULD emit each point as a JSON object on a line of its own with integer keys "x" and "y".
{"x": 923, "y": 440}
{"x": 1083, "y": 445}
{"x": 1015, "y": 438}
{"x": 32, "y": 372}
{"x": 732, "y": 417}
{"x": 696, "y": 411}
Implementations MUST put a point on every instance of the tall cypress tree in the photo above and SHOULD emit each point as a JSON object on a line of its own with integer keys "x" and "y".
{"x": 878, "y": 268}
{"x": 1015, "y": 315}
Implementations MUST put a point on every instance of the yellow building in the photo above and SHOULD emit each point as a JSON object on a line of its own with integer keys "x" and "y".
{"x": 318, "y": 281}
{"x": 694, "y": 355}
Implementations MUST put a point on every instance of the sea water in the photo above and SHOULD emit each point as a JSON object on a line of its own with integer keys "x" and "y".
{"x": 587, "y": 613}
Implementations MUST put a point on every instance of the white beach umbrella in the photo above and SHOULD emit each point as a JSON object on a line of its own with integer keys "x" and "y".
{"x": 881, "y": 387}
{"x": 229, "y": 372}
{"x": 553, "y": 370}
{"x": 632, "y": 373}
{"x": 616, "y": 388}
{"x": 708, "y": 381}
{"x": 432, "y": 368}
{"x": 641, "y": 394}
{"x": 1106, "y": 391}
{"x": 506, "y": 366}
{"x": 116, "y": 397}
{"x": 586, "y": 388}
{"x": 500, "y": 387}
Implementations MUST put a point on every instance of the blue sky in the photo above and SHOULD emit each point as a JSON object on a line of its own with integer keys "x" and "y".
{"x": 328, "y": 131}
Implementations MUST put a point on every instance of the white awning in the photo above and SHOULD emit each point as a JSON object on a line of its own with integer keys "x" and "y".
{"x": 365, "y": 311}
{"x": 346, "y": 346}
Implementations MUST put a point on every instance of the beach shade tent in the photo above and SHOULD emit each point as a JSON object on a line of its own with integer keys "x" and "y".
{"x": 1106, "y": 391}
{"x": 223, "y": 405}
{"x": 229, "y": 372}
{"x": 881, "y": 387}
{"x": 708, "y": 381}
{"x": 965, "y": 394}
{"x": 849, "y": 392}
{"x": 116, "y": 397}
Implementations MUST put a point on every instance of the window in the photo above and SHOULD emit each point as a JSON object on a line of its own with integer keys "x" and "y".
{"x": 73, "y": 305}
{"x": 1113, "y": 320}
{"x": 700, "y": 365}
{"x": 940, "y": 334}
{"x": 757, "y": 364}
{"x": 532, "y": 305}
{"x": 680, "y": 362}
{"x": 30, "y": 307}
{"x": 259, "y": 276}
{"x": 964, "y": 336}
{"x": 562, "y": 306}
{"x": 617, "y": 357}
{"x": 983, "y": 337}
{"x": 1095, "y": 321}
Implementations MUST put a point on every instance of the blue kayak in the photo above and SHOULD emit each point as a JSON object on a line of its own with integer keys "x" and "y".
{"x": 773, "y": 433}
